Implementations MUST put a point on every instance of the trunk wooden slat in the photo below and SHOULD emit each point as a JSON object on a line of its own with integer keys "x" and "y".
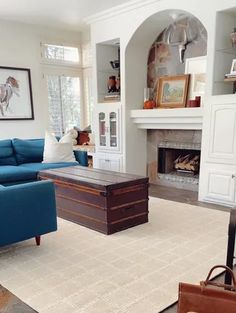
{"x": 101, "y": 200}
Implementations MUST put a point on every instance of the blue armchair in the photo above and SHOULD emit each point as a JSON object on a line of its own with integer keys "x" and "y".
{"x": 26, "y": 211}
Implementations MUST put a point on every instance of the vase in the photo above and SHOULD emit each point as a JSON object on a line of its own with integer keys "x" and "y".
{"x": 148, "y": 103}
{"x": 111, "y": 84}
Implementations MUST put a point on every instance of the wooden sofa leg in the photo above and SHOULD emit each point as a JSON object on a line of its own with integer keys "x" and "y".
{"x": 37, "y": 239}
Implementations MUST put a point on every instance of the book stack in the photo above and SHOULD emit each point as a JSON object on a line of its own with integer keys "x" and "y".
{"x": 112, "y": 97}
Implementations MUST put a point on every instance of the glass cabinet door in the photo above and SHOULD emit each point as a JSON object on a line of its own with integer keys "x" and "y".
{"x": 113, "y": 128}
{"x": 108, "y": 129}
{"x": 102, "y": 129}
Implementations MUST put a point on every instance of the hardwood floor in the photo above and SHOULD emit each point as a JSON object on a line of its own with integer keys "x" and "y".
{"x": 181, "y": 195}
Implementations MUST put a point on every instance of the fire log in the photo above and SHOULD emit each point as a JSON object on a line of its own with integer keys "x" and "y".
{"x": 187, "y": 163}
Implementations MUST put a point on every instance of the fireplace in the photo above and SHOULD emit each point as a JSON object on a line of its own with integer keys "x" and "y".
{"x": 178, "y": 160}
{"x": 164, "y": 148}
{"x": 178, "y": 164}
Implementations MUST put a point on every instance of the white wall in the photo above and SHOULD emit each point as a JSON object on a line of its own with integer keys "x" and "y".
{"x": 20, "y": 47}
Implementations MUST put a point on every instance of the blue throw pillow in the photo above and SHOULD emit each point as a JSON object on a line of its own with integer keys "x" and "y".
{"x": 7, "y": 156}
{"x": 28, "y": 150}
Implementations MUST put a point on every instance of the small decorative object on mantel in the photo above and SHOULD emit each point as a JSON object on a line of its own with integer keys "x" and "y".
{"x": 149, "y": 103}
{"x": 233, "y": 38}
{"x": 172, "y": 91}
{"x": 194, "y": 103}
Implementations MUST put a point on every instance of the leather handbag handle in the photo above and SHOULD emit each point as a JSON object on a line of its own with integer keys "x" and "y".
{"x": 230, "y": 287}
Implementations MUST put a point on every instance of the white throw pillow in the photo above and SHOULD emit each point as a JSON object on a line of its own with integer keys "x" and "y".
{"x": 58, "y": 151}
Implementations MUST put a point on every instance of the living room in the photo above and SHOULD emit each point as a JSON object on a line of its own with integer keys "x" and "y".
{"x": 83, "y": 73}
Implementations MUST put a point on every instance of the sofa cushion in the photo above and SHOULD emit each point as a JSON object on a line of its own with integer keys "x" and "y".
{"x": 58, "y": 151}
{"x": 81, "y": 157}
{"x": 28, "y": 150}
{"x": 46, "y": 166}
{"x": 7, "y": 156}
{"x": 10, "y": 173}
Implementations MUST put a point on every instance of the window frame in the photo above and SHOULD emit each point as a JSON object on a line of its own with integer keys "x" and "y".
{"x": 57, "y": 62}
{"x": 65, "y": 71}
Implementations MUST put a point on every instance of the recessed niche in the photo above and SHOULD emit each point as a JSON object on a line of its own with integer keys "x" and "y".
{"x": 184, "y": 38}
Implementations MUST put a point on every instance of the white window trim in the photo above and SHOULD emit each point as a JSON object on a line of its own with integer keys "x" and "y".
{"x": 47, "y": 61}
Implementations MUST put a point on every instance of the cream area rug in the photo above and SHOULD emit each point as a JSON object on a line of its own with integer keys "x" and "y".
{"x": 78, "y": 270}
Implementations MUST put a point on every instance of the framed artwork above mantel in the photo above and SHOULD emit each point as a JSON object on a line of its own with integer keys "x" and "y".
{"x": 16, "y": 100}
{"x": 172, "y": 91}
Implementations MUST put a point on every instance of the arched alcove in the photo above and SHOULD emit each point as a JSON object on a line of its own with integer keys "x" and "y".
{"x": 138, "y": 52}
{"x": 135, "y": 80}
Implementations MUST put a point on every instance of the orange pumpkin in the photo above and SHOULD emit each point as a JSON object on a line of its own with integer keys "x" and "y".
{"x": 149, "y": 104}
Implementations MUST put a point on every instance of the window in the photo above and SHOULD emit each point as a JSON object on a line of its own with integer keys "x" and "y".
{"x": 70, "y": 102}
{"x": 60, "y": 53}
{"x": 64, "y": 103}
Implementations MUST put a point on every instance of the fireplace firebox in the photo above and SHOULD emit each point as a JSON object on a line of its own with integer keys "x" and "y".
{"x": 179, "y": 164}
{"x": 178, "y": 160}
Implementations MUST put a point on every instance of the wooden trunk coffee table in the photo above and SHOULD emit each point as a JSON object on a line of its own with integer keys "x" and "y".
{"x": 102, "y": 200}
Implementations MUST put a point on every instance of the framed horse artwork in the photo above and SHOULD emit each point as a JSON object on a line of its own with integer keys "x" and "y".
{"x": 16, "y": 100}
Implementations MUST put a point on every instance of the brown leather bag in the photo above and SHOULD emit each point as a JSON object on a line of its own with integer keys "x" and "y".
{"x": 202, "y": 299}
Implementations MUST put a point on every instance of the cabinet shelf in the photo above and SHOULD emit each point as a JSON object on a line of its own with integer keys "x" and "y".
{"x": 229, "y": 50}
{"x": 107, "y": 53}
{"x": 230, "y": 79}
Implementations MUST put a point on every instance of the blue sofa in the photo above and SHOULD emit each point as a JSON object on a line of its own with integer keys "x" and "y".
{"x": 21, "y": 160}
{"x": 27, "y": 206}
{"x": 27, "y": 211}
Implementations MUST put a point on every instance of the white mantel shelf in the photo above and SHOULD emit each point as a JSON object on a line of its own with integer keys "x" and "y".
{"x": 181, "y": 118}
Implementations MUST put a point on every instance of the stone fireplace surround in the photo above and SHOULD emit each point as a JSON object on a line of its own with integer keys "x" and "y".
{"x": 178, "y": 137}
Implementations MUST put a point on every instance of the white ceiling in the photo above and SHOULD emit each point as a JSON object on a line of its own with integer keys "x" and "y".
{"x": 63, "y": 14}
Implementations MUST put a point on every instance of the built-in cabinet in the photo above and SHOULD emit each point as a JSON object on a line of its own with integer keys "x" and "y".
{"x": 220, "y": 184}
{"x": 224, "y": 53}
{"x": 107, "y": 112}
{"x": 107, "y": 123}
{"x": 222, "y": 143}
{"x": 107, "y": 137}
{"x": 218, "y": 155}
{"x": 107, "y": 66}
{"x": 219, "y": 168}
{"x": 107, "y": 161}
